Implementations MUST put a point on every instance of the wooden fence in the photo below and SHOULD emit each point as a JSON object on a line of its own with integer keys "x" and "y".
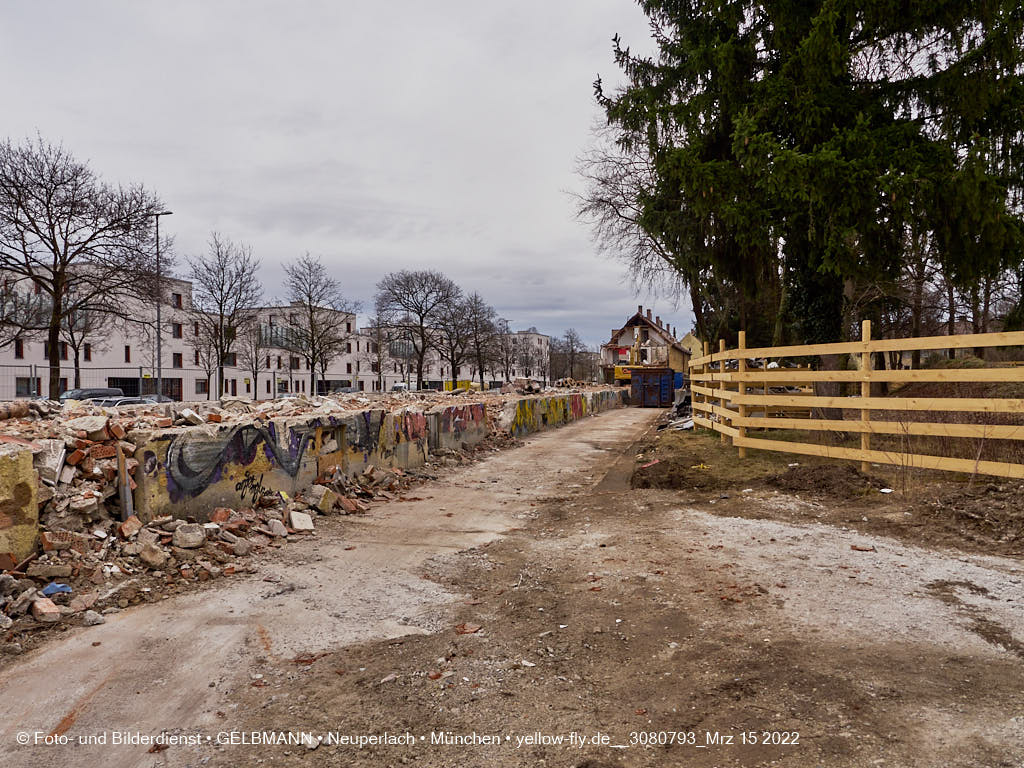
{"x": 732, "y": 397}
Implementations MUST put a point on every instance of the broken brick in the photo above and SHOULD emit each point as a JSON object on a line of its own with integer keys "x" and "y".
{"x": 76, "y": 456}
{"x": 102, "y": 451}
{"x": 130, "y": 527}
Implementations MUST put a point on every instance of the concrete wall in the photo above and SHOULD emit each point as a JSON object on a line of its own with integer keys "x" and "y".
{"x": 19, "y": 510}
{"x": 533, "y": 414}
{"x": 188, "y": 471}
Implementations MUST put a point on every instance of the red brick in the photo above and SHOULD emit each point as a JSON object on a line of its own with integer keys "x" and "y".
{"x": 102, "y": 451}
{"x": 131, "y": 465}
{"x": 130, "y": 527}
{"x": 54, "y": 540}
{"x": 84, "y": 444}
{"x": 116, "y": 430}
{"x": 7, "y": 561}
{"x": 164, "y": 422}
{"x": 213, "y": 418}
{"x": 348, "y": 504}
{"x": 76, "y": 456}
{"x": 221, "y": 515}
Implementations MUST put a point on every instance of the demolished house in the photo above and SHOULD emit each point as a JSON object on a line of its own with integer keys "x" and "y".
{"x": 643, "y": 342}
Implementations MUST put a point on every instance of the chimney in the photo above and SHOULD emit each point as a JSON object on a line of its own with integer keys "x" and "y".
{"x": 639, "y": 309}
{"x": 674, "y": 332}
{"x": 648, "y": 314}
{"x": 657, "y": 320}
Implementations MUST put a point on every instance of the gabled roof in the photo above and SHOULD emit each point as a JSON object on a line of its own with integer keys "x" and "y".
{"x": 641, "y": 320}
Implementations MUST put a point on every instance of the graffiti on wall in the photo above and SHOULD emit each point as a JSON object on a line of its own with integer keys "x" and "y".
{"x": 196, "y": 459}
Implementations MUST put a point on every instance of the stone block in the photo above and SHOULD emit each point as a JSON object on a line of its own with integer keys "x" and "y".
{"x": 189, "y": 536}
{"x": 300, "y": 521}
{"x": 19, "y": 504}
{"x": 322, "y": 499}
{"x": 44, "y": 609}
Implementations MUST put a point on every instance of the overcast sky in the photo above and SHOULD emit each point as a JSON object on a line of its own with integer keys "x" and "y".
{"x": 376, "y": 135}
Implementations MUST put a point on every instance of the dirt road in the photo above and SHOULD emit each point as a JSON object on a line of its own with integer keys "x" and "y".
{"x": 173, "y": 665}
{"x": 534, "y": 610}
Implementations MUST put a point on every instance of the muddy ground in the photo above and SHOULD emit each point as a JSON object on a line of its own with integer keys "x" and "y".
{"x": 665, "y": 615}
{"x": 676, "y": 626}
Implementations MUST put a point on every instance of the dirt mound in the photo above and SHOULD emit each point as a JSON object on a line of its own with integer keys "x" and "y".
{"x": 842, "y": 480}
{"x": 990, "y": 515}
{"x": 676, "y": 472}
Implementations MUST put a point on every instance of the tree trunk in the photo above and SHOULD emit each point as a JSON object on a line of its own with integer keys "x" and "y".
{"x": 917, "y": 310}
{"x": 951, "y": 309}
{"x": 54, "y": 356}
{"x": 78, "y": 372}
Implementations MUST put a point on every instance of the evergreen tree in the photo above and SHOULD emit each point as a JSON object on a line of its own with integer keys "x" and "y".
{"x": 803, "y": 141}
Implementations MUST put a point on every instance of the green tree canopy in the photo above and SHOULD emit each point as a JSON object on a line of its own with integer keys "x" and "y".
{"x": 794, "y": 145}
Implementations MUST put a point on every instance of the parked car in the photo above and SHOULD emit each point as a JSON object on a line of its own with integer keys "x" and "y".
{"x": 113, "y": 402}
{"x": 91, "y": 393}
{"x": 400, "y": 387}
{"x": 155, "y": 398}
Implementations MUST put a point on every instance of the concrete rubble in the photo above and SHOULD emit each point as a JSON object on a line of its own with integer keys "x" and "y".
{"x": 95, "y": 556}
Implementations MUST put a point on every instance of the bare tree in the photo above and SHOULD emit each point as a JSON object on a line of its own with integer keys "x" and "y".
{"x": 378, "y": 338}
{"x": 252, "y": 352}
{"x": 573, "y": 346}
{"x": 83, "y": 243}
{"x": 21, "y": 313}
{"x": 412, "y": 301}
{"x": 80, "y": 329}
{"x": 225, "y": 295}
{"x": 507, "y": 348}
{"x": 317, "y": 326}
{"x": 483, "y": 334}
{"x": 453, "y": 336}
{"x": 206, "y": 358}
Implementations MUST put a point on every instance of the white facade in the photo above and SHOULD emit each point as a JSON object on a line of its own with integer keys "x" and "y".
{"x": 123, "y": 354}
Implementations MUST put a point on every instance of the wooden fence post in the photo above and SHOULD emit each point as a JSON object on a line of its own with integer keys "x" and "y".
{"x": 704, "y": 372}
{"x": 741, "y": 368}
{"x": 865, "y": 391}
{"x": 721, "y": 384}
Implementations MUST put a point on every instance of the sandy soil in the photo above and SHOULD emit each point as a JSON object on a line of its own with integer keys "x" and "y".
{"x": 666, "y": 627}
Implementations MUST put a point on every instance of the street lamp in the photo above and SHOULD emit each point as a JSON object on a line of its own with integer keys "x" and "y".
{"x": 159, "y": 301}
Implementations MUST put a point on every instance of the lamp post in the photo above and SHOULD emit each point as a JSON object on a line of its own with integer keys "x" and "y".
{"x": 159, "y": 301}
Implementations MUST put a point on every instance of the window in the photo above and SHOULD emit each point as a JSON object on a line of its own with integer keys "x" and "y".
{"x": 348, "y": 348}
{"x": 348, "y": 327}
{"x": 176, "y": 299}
{"x": 195, "y": 328}
{"x": 279, "y": 363}
{"x": 37, "y": 289}
{"x": 293, "y": 363}
{"x": 127, "y": 353}
{"x": 247, "y": 387}
{"x": 357, "y": 366}
{"x": 197, "y": 357}
{"x": 176, "y": 330}
{"x": 268, "y": 362}
{"x": 348, "y": 367}
{"x": 357, "y": 346}
{"x": 268, "y": 386}
{"x": 88, "y": 352}
{"x": 63, "y": 350}
{"x": 176, "y": 360}
{"x": 202, "y": 387}
{"x": 19, "y": 351}
{"x": 231, "y": 359}
{"x": 23, "y": 386}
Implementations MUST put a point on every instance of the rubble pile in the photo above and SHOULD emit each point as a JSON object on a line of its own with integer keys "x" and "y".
{"x": 97, "y": 558}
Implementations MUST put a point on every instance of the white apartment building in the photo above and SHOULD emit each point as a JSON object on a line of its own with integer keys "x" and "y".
{"x": 123, "y": 354}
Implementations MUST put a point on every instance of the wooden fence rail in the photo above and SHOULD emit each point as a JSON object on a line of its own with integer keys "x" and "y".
{"x": 731, "y": 398}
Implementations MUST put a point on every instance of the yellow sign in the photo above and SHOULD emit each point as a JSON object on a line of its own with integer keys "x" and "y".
{"x": 463, "y": 384}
